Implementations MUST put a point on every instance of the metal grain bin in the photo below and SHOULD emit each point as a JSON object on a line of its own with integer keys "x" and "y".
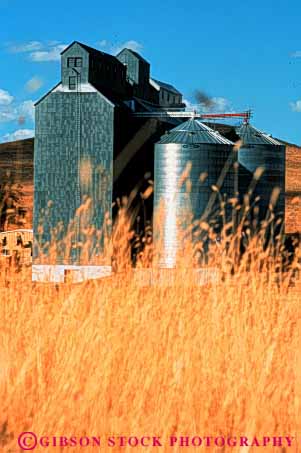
{"x": 259, "y": 150}
{"x": 194, "y": 144}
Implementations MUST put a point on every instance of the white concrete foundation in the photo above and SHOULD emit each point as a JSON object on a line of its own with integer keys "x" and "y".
{"x": 68, "y": 273}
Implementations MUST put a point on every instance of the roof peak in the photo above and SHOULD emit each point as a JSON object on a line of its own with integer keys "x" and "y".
{"x": 91, "y": 50}
{"x": 134, "y": 53}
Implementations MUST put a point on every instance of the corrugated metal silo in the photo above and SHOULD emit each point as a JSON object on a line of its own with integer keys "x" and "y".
{"x": 261, "y": 150}
{"x": 191, "y": 143}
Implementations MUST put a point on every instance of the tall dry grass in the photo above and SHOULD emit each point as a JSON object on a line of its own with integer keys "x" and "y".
{"x": 114, "y": 357}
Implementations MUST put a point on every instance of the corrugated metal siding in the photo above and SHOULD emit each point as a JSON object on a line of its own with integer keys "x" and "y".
{"x": 258, "y": 150}
{"x": 174, "y": 206}
{"x": 73, "y": 158}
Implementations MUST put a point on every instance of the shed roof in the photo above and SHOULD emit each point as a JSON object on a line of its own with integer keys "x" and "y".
{"x": 165, "y": 86}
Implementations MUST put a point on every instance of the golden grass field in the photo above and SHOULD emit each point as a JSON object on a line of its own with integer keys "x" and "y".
{"x": 115, "y": 358}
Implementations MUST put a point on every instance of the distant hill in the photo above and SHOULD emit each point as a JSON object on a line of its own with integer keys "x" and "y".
{"x": 17, "y": 158}
{"x": 293, "y": 189}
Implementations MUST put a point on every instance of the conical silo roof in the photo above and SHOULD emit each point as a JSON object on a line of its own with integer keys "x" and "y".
{"x": 193, "y": 132}
{"x": 252, "y": 136}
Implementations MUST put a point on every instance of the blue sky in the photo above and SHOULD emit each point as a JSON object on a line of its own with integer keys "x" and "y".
{"x": 243, "y": 54}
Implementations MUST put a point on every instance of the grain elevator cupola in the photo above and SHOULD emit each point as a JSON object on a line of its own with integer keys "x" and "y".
{"x": 137, "y": 73}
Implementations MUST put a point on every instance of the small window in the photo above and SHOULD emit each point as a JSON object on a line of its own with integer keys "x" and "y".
{"x": 72, "y": 83}
{"x": 75, "y": 62}
{"x": 71, "y": 62}
{"x": 78, "y": 62}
